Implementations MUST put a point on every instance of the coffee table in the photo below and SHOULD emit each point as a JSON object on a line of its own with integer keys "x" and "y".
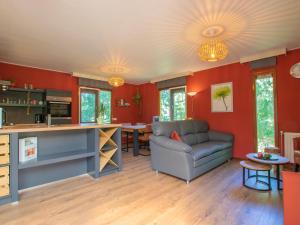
{"x": 276, "y": 160}
{"x": 257, "y": 167}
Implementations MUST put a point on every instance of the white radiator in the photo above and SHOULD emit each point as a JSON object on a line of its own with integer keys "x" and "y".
{"x": 289, "y": 145}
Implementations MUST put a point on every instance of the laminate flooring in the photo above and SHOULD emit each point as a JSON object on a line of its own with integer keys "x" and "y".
{"x": 136, "y": 195}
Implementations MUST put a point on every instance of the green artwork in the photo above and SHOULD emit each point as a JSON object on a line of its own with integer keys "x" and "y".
{"x": 222, "y": 93}
{"x": 222, "y": 97}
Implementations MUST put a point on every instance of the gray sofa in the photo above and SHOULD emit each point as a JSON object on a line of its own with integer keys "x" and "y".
{"x": 201, "y": 149}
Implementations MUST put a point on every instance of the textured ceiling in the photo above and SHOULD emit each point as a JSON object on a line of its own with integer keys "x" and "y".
{"x": 148, "y": 38}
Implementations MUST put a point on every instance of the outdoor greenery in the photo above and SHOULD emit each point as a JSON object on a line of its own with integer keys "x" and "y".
{"x": 165, "y": 105}
{"x": 105, "y": 102}
{"x": 172, "y": 104}
{"x": 179, "y": 111}
{"x": 265, "y": 112}
{"x": 88, "y": 107}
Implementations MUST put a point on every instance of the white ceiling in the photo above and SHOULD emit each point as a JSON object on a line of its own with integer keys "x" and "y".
{"x": 151, "y": 38}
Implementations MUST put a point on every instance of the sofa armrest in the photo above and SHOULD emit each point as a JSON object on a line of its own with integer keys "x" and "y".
{"x": 170, "y": 143}
{"x": 220, "y": 136}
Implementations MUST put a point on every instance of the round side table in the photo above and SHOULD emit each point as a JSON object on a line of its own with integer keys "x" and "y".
{"x": 257, "y": 167}
{"x": 276, "y": 160}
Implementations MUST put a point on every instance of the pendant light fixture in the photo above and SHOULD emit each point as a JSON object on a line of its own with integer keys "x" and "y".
{"x": 213, "y": 50}
{"x": 116, "y": 81}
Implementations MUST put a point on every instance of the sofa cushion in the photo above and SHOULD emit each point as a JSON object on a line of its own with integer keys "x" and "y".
{"x": 175, "y": 136}
{"x": 192, "y": 127}
{"x": 165, "y": 128}
{"x": 186, "y": 127}
{"x": 200, "y": 126}
{"x": 193, "y": 131}
{"x": 209, "y": 158}
{"x": 189, "y": 139}
{"x": 201, "y": 137}
{"x": 207, "y": 148}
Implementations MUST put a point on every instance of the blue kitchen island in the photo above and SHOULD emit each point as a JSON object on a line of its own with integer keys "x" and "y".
{"x": 63, "y": 151}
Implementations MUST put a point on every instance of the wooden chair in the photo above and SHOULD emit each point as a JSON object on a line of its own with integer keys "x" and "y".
{"x": 297, "y": 153}
{"x": 144, "y": 137}
{"x": 127, "y": 138}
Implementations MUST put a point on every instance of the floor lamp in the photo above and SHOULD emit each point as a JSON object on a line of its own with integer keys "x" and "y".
{"x": 192, "y": 95}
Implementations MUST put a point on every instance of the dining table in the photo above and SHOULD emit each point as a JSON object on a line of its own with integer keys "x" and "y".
{"x": 135, "y": 130}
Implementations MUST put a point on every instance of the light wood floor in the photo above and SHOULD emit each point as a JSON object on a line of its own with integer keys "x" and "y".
{"x": 137, "y": 196}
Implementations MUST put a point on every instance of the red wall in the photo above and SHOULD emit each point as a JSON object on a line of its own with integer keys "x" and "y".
{"x": 125, "y": 114}
{"x": 46, "y": 79}
{"x": 150, "y": 102}
{"x": 241, "y": 121}
{"x": 43, "y": 79}
{"x": 288, "y": 89}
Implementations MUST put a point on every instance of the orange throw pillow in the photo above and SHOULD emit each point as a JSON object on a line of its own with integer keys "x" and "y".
{"x": 175, "y": 136}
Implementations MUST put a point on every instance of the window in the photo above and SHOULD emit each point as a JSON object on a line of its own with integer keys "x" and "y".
{"x": 265, "y": 110}
{"x": 105, "y": 99}
{"x": 90, "y": 102}
{"x": 173, "y": 104}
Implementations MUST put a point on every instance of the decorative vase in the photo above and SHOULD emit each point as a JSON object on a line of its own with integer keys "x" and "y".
{"x": 100, "y": 120}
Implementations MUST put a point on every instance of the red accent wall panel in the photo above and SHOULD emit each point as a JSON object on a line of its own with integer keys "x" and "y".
{"x": 241, "y": 121}
{"x": 150, "y": 102}
{"x": 43, "y": 79}
{"x": 128, "y": 114}
{"x": 291, "y": 197}
{"x": 46, "y": 79}
{"x": 288, "y": 93}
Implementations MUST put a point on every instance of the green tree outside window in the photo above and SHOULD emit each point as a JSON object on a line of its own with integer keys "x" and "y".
{"x": 265, "y": 112}
{"x": 105, "y": 99}
{"x": 173, "y": 104}
{"x": 88, "y": 107}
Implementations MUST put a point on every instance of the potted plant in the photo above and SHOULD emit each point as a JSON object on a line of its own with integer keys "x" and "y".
{"x": 137, "y": 98}
{"x": 101, "y": 113}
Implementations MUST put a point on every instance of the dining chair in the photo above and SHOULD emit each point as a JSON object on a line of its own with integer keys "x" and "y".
{"x": 144, "y": 136}
{"x": 127, "y": 137}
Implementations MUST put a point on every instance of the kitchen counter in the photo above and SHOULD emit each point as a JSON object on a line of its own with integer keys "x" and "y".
{"x": 43, "y": 127}
{"x": 63, "y": 151}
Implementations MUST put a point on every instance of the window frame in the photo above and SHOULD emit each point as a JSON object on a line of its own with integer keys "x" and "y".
{"x": 172, "y": 91}
{"x": 96, "y": 91}
{"x": 271, "y": 71}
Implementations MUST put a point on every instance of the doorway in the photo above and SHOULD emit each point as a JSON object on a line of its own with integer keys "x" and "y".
{"x": 265, "y": 110}
{"x": 178, "y": 103}
{"x": 173, "y": 104}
